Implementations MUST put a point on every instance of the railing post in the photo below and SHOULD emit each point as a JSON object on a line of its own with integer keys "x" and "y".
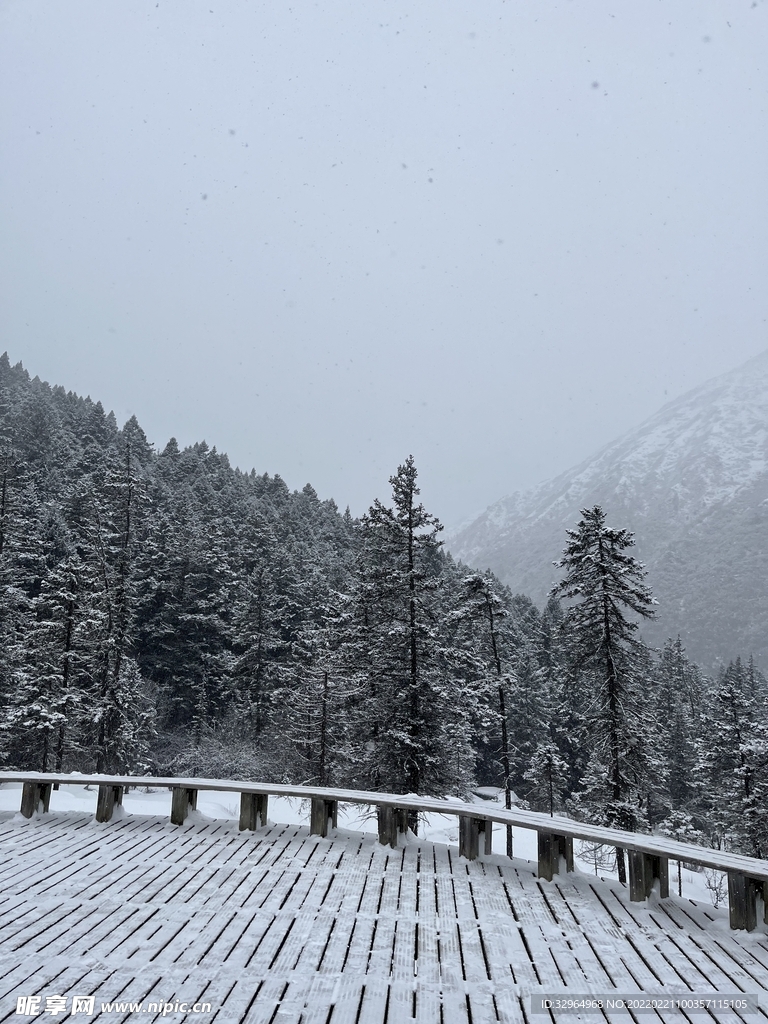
{"x": 33, "y": 794}
{"x": 391, "y": 821}
{"x": 551, "y": 848}
{"x": 181, "y": 801}
{"x": 30, "y": 797}
{"x": 660, "y": 871}
{"x": 108, "y": 798}
{"x": 742, "y": 900}
{"x": 324, "y": 813}
{"x": 253, "y": 811}
{"x": 644, "y": 870}
{"x": 385, "y": 820}
{"x": 485, "y": 826}
{"x": 469, "y": 837}
{"x": 638, "y": 887}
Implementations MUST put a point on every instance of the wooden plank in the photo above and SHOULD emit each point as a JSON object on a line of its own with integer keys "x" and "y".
{"x": 427, "y": 959}
{"x": 33, "y": 843}
{"x": 25, "y": 977}
{"x": 597, "y": 947}
{"x": 310, "y": 1002}
{"x": 328, "y": 946}
{"x": 504, "y": 941}
{"x": 572, "y": 907}
{"x": 375, "y": 1001}
{"x": 359, "y": 939}
{"x": 114, "y": 929}
{"x": 477, "y": 964}
{"x": 402, "y": 1000}
{"x": 45, "y": 850}
{"x": 381, "y": 951}
{"x": 266, "y": 860}
{"x": 250, "y": 862}
{"x": 453, "y": 977}
{"x": 53, "y": 977}
{"x": 709, "y": 966}
{"x": 346, "y": 996}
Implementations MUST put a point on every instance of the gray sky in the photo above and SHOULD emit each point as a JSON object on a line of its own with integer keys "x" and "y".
{"x": 323, "y": 236}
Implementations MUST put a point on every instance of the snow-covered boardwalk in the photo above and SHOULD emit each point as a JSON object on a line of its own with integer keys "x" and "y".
{"x": 282, "y": 926}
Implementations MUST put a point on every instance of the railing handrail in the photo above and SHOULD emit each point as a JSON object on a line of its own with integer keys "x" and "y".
{"x": 658, "y": 846}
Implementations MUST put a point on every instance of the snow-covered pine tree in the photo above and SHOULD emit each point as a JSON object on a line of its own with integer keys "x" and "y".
{"x": 46, "y": 712}
{"x": 312, "y": 716}
{"x": 266, "y": 618}
{"x": 606, "y": 584}
{"x": 412, "y": 706}
{"x": 547, "y": 774}
{"x": 532, "y": 713}
{"x": 675, "y": 702}
{"x": 733, "y": 761}
{"x": 120, "y": 699}
{"x": 491, "y": 644}
{"x": 308, "y": 722}
{"x": 565, "y": 698}
{"x": 22, "y": 565}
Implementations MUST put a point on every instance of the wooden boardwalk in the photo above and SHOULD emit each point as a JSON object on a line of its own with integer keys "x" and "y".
{"x": 283, "y": 927}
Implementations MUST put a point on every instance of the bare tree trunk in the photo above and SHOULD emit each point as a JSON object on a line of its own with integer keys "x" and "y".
{"x": 323, "y": 732}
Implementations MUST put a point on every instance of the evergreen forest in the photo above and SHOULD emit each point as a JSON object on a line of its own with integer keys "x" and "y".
{"x": 162, "y": 612}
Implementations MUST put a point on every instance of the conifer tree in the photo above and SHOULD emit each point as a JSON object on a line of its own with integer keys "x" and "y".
{"x": 314, "y": 702}
{"x": 675, "y": 701}
{"x": 484, "y": 608}
{"x": 565, "y": 698}
{"x": 416, "y": 720}
{"x": 606, "y": 584}
{"x": 532, "y": 712}
{"x": 547, "y": 774}
{"x": 266, "y": 620}
{"x": 733, "y": 761}
{"x": 120, "y": 696}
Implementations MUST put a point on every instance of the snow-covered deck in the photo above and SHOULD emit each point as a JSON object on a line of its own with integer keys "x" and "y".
{"x": 282, "y": 926}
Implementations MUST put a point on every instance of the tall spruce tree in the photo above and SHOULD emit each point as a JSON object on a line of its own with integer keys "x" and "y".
{"x": 415, "y": 719}
{"x": 484, "y": 608}
{"x": 606, "y": 584}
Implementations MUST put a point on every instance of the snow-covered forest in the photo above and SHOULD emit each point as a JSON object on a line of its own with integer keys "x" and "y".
{"x": 162, "y": 612}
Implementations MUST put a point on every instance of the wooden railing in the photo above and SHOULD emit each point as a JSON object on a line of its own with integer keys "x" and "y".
{"x": 648, "y": 855}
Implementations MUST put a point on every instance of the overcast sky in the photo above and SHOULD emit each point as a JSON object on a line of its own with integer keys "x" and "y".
{"x": 323, "y": 236}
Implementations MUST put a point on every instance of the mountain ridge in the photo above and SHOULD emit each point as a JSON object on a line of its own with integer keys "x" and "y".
{"x": 691, "y": 482}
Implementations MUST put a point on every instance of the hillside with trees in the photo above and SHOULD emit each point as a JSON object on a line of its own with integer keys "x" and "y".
{"x": 163, "y": 612}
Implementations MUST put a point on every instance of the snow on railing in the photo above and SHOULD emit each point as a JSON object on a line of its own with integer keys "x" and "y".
{"x": 648, "y": 855}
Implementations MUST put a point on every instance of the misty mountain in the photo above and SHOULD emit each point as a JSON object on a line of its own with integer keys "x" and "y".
{"x": 692, "y": 483}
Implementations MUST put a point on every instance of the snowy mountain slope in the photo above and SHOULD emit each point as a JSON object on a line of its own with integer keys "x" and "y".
{"x": 692, "y": 483}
